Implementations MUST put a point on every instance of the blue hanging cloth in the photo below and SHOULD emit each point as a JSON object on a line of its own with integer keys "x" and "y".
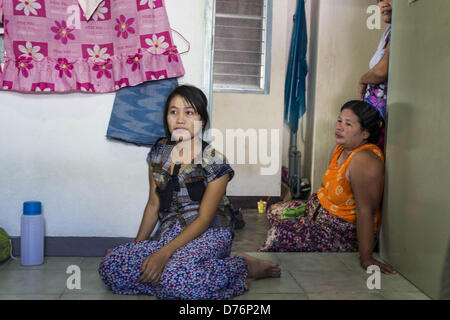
{"x": 137, "y": 116}
{"x": 295, "y": 85}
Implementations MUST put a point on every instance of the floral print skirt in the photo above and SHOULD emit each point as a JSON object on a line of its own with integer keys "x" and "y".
{"x": 317, "y": 231}
{"x": 202, "y": 269}
{"x": 376, "y": 95}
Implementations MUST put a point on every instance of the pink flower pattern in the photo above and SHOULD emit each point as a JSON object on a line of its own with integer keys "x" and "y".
{"x": 7, "y": 85}
{"x": 23, "y": 64}
{"x": 63, "y": 32}
{"x": 103, "y": 69}
{"x": 43, "y": 87}
{"x": 135, "y": 61}
{"x": 64, "y": 67}
{"x": 5, "y": 23}
{"x": 45, "y": 43}
{"x": 85, "y": 87}
{"x": 32, "y": 8}
{"x": 123, "y": 27}
{"x": 172, "y": 52}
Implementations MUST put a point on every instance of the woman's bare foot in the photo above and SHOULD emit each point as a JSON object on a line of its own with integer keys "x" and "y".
{"x": 258, "y": 268}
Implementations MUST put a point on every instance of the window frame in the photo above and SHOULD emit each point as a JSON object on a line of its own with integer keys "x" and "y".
{"x": 267, "y": 51}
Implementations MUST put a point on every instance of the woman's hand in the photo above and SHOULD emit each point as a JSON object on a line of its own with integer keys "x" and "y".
{"x": 153, "y": 267}
{"x": 386, "y": 269}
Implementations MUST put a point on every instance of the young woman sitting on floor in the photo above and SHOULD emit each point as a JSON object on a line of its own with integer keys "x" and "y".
{"x": 188, "y": 257}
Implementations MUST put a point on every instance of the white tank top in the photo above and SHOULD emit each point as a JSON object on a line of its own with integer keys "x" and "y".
{"x": 381, "y": 49}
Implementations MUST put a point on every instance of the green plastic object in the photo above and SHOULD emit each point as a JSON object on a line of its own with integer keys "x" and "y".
{"x": 5, "y": 245}
{"x": 294, "y": 212}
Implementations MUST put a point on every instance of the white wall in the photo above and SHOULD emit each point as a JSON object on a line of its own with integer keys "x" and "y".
{"x": 54, "y": 150}
{"x": 343, "y": 47}
{"x": 415, "y": 230}
{"x": 259, "y": 111}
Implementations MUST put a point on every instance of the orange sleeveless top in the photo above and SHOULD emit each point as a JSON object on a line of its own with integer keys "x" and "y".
{"x": 336, "y": 194}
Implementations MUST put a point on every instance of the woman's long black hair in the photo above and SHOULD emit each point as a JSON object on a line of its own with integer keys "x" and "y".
{"x": 196, "y": 99}
{"x": 369, "y": 118}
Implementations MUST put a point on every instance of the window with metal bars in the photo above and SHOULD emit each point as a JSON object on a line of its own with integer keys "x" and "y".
{"x": 242, "y": 45}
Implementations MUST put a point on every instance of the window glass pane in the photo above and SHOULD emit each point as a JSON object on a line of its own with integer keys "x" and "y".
{"x": 240, "y": 44}
{"x": 251, "y": 8}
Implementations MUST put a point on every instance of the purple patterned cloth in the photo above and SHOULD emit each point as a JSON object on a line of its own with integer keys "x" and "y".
{"x": 376, "y": 95}
{"x": 317, "y": 231}
{"x": 51, "y": 47}
{"x": 202, "y": 269}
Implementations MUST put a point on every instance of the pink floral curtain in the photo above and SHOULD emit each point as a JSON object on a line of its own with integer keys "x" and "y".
{"x": 51, "y": 47}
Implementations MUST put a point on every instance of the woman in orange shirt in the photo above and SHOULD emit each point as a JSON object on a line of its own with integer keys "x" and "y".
{"x": 344, "y": 214}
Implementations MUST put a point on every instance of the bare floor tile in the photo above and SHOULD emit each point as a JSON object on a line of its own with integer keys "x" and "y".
{"x": 3, "y": 264}
{"x": 404, "y": 295}
{"x": 90, "y": 263}
{"x": 345, "y": 296}
{"x": 330, "y": 281}
{"x": 351, "y": 261}
{"x": 30, "y": 296}
{"x": 284, "y": 284}
{"x": 272, "y": 296}
{"x": 303, "y": 261}
{"x": 50, "y": 263}
{"x": 396, "y": 283}
{"x": 105, "y": 296}
{"x": 252, "y": 236}
{"x": 32, "y": 281}
{"x": 91, "y": 283}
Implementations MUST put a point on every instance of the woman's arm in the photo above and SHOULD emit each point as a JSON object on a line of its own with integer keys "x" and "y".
{"x": 150, "y": 217}
{"x": 377, "y": 74}
{"x": 153, "y": 266}
{"x": 366, "y": 177}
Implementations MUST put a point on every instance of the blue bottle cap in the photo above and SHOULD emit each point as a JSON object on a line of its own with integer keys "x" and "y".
{"x": 32, "y": 208}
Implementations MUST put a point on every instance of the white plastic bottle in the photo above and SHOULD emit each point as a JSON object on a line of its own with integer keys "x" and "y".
{"x": 32, "y": 234}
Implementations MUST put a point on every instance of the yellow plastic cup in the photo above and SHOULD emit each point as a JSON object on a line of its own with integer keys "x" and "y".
{"x": 262, "y": 206}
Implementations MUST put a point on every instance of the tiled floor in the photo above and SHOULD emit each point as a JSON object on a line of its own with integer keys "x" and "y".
{"x": 304, "y": 275}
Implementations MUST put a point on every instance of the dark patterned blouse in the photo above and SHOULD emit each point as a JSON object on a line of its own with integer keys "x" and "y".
{"x": 181, "y": 193}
